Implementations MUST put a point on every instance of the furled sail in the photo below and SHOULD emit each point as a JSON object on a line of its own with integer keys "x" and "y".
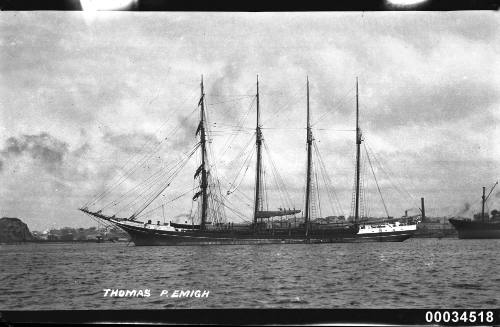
{"x": 198, "y": 129}
{"x": 198, "y": 171}
{"x": 269, "y": 214}
{"x": 197, "y": 194}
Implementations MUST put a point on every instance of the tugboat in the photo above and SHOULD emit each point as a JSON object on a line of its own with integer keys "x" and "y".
{"x": 482, "y": 225}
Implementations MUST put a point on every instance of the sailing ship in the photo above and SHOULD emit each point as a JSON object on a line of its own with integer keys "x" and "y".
{"x": 262, "y": 230}
{"x": 482, "y": 225}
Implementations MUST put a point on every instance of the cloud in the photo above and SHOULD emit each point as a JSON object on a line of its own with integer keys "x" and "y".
{"x": 183, "y": 136}
{"x": 46, "y": 150}
{"x": 132, "y": 143}
{"x": 428, "y": 93}
{"x": 426, "y": 104}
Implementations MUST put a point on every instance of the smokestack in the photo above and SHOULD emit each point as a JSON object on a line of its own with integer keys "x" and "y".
{"x": 422, "y": 208}
{"x": 406, "y": 213}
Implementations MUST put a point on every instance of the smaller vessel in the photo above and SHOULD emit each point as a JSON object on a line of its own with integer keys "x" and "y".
{"x": 482, "y": 225}
{"x": 396, "y": 231}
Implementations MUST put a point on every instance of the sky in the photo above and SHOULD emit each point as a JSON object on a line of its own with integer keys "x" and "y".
{"x": 83, "y": 98}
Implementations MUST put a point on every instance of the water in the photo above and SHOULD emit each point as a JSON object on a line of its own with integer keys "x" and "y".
{"x": 417, "y": 273}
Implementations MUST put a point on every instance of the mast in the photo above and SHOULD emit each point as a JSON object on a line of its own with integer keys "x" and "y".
{"x": 258, "y": 143}
{"x": 358, "y": 146}
{"x": 309, "y": 164}
{"x": 203, "y": 181}
{"x": 484, "y": 200}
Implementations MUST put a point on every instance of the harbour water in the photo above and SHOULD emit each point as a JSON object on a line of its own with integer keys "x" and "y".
{"x": 417, "y": 273}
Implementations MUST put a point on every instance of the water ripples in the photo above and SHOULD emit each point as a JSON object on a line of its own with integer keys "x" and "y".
{"x": 418, "y": 273}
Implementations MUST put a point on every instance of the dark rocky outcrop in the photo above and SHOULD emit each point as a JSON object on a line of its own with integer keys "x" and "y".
{"x": 14, "y": 230}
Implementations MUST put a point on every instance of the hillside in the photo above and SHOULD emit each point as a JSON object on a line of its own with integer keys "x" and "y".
{"x": 13, "y": 230}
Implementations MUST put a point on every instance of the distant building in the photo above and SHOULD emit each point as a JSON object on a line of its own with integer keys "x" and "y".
{"x": 52, "y": 237}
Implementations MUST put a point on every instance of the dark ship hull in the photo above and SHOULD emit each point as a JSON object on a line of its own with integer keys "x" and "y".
{"x": 474, "y": 229}
{"x": 148, "y": 236}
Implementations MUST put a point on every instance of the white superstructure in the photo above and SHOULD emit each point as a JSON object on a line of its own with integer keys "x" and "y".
{"x": 385, "y": 228}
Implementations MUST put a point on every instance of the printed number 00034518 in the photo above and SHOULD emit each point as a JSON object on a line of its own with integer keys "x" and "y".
{"x": 459, "y": 316}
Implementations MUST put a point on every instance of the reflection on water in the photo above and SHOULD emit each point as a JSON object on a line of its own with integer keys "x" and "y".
{"x": 418, "y": 273}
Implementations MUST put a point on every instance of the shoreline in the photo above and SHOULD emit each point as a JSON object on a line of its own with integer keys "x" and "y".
{"x": 62, "y": 241}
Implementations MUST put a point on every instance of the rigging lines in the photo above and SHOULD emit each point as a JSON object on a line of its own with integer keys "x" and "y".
{"x": 376, "y": 182}
{"x": 178, "y": 169}
{"x": 145, "y": 157}
{"x": 403, "y": 192}
{"x": 216, "y": 201}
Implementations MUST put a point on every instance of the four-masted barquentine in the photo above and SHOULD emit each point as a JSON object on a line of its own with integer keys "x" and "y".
{"x": 262, "y": 229}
